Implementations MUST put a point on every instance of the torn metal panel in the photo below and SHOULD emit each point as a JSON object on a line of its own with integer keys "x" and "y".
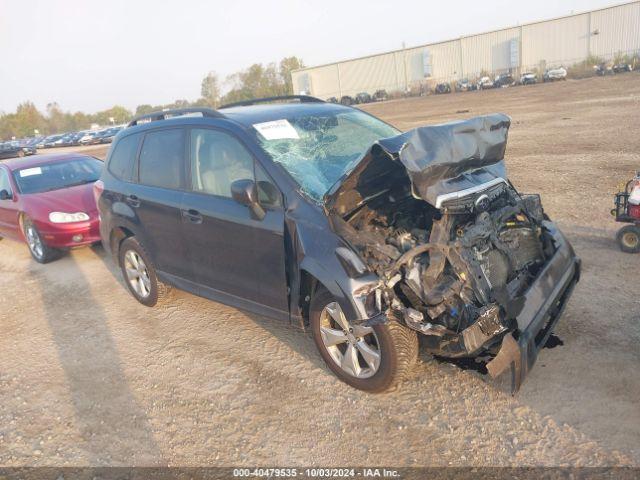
{"x": 433, "y": 161}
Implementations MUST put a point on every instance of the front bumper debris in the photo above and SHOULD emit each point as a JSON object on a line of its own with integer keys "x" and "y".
{"x": 546, "y": 300}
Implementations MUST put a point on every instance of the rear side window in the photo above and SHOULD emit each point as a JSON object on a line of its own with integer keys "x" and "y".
{"x": 123, "y": 157}
{"x": 161, "y": 159}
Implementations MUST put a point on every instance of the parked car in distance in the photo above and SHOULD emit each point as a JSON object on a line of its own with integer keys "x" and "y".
{"x": 66, "y": 140}
{"x": 528, "y": 78}
{"x": 363, "y": 97}
{"x": 14, "y": 149}
{"x": 347, "y": 100}
{"x": 622, "y": 68}
{"x": 40, "y": 143}
{"x": 47, "y": 201}
{"x": 442, "y": 88}
{"x": 106, "y": 136}
{"x": 603, "y": 69}
{"x": 503, "y": 80}
{"x": 338, "y": 236}
{"x": 553, "y": 74}
{"x": 380, "y": 95}
{"x": 32, "y": 142}
{"x": 76, "y": 136}
{"x": 52, "y": 141}
{"x": 485, "y": 83}
{"x": 89, "y": 138}
{"x": 465, "y": 85}
{"x": 332, "y": 100}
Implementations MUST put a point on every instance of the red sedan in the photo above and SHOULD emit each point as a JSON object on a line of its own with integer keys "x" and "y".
{"x": 47, "y": 201}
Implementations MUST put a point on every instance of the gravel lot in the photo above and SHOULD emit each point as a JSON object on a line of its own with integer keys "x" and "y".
{"x": 90, "y": 377}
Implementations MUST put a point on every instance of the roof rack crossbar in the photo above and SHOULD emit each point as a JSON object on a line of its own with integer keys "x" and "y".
{"x": 255, "y": 101}
{"x": 176, "y": 112}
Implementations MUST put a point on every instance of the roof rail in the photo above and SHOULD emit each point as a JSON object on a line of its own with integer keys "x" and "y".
{"x": 254, "y": 101}
{"x": 176, "y": 112}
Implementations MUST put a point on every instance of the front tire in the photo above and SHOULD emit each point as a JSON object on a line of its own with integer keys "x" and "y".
{"x": 373, "y": 359}
{"x": 629, "y": 239}
{"x": 139, "y": 273}
{"x": 41, "y": 252}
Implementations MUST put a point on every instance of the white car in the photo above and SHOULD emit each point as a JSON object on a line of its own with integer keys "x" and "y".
{"x": 485, "y": 82}
{"x": 555, "y": 74}
{"x": 528, "y": 78}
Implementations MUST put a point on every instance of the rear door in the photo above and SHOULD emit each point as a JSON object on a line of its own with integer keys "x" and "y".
{"x": 8, "y": 208}
{"x": 231, "y": 252}
{"x": 157, "y": 198}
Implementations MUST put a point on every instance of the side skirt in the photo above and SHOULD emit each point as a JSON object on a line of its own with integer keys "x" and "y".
{"x": 222, "y": 297}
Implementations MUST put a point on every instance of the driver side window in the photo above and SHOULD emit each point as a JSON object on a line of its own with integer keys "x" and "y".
{"x": 218, "y": 160}
{"x": 5, "y": 184}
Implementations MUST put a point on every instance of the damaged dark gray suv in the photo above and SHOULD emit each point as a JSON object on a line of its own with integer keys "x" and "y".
{"x": 325, "y": 216}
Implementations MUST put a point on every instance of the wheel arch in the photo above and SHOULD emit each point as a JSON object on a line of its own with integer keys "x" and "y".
{"x": 313, "y": 275}
{"x": 308, "y": 286}
{"x": 116, "y": 237}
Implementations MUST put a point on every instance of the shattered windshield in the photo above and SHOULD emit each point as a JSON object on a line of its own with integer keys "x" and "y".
{"x": 318, "y": 149}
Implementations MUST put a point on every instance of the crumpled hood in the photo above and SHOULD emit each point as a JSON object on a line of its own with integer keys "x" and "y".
{"x": 437, "y": 160}
{"x": 69, "y": 200}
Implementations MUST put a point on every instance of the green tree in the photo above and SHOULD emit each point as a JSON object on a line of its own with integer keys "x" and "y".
{"x": 287, "y": 65}
{"x": 117, "y": 112}
{"x": 55, "y": 118}
{"x": 210, "y": 89}
{"x": 144, "y": 109}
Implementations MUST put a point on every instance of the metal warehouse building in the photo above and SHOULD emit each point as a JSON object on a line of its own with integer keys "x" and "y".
{"x": 604, "y": 33}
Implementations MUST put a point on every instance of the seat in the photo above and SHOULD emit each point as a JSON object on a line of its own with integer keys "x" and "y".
{"x": 220, "y": 164}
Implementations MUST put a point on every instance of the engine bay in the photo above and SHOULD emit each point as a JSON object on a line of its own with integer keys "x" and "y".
{"x": 456, "y": 273}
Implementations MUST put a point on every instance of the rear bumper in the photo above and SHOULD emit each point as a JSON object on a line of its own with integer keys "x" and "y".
{"x": 69, "y": 235}
{"x": 546, "y": 300}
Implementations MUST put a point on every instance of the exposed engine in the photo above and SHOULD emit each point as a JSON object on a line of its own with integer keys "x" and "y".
{"x": 457, "y": 273}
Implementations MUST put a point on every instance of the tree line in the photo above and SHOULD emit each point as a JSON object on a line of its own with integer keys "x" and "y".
{"x": 258, "y": 80}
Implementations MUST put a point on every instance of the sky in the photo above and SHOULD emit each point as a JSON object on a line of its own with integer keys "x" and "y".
{"x": 89, "y": 55}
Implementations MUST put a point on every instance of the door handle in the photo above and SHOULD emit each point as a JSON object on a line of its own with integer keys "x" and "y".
{"x": 133, "y": 200}
{"x": 192, "y": 215}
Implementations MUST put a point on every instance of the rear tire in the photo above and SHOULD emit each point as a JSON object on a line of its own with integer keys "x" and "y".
{"x": 139, "y": 273}
{"x": 40, "y": 251}
{"x": 628, "y": 238}
{"x": 397, "y": 347}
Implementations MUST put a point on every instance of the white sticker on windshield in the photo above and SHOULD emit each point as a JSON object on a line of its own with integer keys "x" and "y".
{"x": 28, "y": 172}
{"x": 276, "y": 130}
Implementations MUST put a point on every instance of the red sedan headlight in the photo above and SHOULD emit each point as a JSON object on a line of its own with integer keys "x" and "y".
{"x": 62, "y": 217}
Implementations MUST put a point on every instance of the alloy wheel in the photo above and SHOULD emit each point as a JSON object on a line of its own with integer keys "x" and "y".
{"x": 34, "y": 242}
{"x": 137, "y": 273}
{"x": 354, "y": 348}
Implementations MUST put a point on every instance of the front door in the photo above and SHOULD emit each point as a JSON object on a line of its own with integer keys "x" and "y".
{"x": 231, "y": 252}
{"x": 8, "y": 209}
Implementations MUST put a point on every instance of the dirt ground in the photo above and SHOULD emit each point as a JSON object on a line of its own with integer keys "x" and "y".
{"x": 90, "y": 377}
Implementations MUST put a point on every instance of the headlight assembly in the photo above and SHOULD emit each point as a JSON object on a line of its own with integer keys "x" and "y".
{"x": 62, "y": 217}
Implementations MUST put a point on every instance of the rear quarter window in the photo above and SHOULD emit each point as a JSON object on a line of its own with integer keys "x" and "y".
{"x": 122, "y": 161}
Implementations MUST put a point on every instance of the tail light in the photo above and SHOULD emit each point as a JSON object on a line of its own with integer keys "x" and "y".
{"x": 98, "y": 188}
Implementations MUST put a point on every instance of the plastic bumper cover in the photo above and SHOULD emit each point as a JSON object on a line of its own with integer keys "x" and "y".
{"x": 545, "y": 302}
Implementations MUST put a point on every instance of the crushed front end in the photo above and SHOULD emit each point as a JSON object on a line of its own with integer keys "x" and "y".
{"x": 460, "y": 255}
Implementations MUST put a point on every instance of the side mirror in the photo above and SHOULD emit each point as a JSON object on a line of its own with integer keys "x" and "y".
{"x": 5, "y": 195}
{"x": 245, "y": 192}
